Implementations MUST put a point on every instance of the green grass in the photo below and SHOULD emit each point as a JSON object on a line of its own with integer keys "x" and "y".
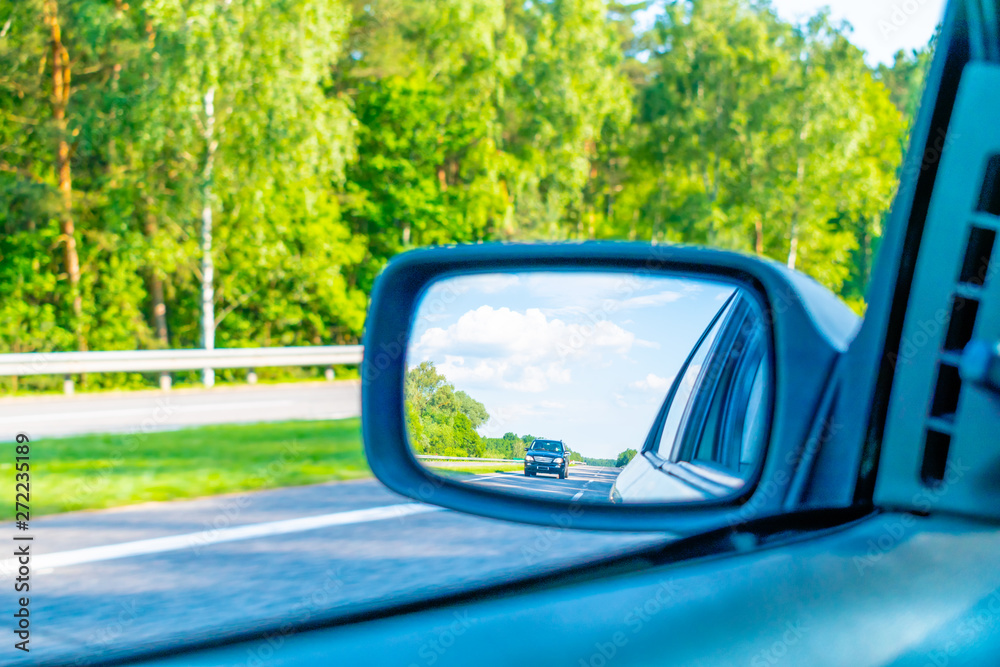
{"x": 96, "y": 471}
{"x": 472, "y": 468}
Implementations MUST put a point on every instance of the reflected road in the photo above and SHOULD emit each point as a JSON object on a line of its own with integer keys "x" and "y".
{"x": 587, "y": 484}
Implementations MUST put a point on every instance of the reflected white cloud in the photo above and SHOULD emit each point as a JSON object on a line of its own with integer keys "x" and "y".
{"x": 648, "y": 300}
{"x": 521, "y": 351}
{"x": 652, "y": 382}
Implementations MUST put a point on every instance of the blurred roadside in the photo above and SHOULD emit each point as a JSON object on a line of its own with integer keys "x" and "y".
{"x": 152, "y": 410}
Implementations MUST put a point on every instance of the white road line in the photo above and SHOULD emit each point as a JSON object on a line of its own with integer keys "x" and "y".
{"x": 205, "y": 538}
{"x": 479, "y": 478}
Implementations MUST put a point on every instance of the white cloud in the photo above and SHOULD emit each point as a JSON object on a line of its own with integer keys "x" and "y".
{"x": 691, "y": 375}
{"x": 652, "y": 382}
{"x": 507, "y": 417}
{"x": 566, "y": 310}
{"x": 648, "y": 300}
{"x": 521, "y": 351}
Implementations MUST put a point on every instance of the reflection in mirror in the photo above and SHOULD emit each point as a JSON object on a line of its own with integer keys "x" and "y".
{"x": 590, "y": 387}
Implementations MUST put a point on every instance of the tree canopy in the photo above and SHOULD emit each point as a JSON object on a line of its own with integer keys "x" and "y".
{"x": 440, "y": 419}
{"x": 319, "y": 138}
{"x": 624, "y": 458}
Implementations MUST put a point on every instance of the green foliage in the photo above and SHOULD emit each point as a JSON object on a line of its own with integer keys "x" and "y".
{"x": 139, "y": 155}
{"x": 510, "y": 446}
{"x": 464, "y": 437}
{"x": 477, "y": 120}
{"x": 624, "y": 458}
{"x": 905, "y": 78}
{"x": 756, "y": 135}
{"x": 606, "y": 463}
{"x": 441, "y": 420}
{"x": 346, "y": 131}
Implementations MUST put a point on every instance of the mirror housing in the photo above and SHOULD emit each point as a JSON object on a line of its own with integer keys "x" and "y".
{"x": 810, "y": 329}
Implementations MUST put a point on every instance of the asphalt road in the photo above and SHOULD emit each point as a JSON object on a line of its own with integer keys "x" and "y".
{"x": 584, "y": 484}
{"x": 105, "y": 584}
{"x": 117, "y": 412}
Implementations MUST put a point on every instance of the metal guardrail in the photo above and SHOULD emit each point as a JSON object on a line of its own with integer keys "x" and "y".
{"x": 466, "y": 458}
{"x": 164, "y": 361}
{"x": 472, "y": 458}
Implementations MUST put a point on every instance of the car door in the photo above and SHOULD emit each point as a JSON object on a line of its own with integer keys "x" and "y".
{"x": 709, "y": 427}
{"x": 715, "y": 433}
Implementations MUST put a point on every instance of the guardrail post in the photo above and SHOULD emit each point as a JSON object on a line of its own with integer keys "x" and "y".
{"x": 251, "y": 376}
{"x": 165, "y": 381}
{"x": 328, "y": 373}
{"x": 68, "y": 385}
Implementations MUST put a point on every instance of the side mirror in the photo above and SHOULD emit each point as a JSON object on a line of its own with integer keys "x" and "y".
{"x": 601, "y": 386}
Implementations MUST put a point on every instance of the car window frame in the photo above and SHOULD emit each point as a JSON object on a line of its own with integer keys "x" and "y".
{"x": 710, "y": 335}
{"x": 709, "y": 476}
{"x": 716, "y": 376}
{"x": 734, "y": 379}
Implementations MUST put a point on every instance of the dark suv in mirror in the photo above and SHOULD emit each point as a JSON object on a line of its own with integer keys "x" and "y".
{"x": 548, "y": 456}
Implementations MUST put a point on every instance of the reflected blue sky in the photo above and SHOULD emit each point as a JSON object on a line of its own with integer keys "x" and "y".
{"x": 578, "y": 356}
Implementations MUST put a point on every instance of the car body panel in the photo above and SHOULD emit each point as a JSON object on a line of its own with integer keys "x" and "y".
{"x": 643, "y": 478}
{"x": 867, "y": 369}
{"x": 890, "y": 589}
{"x": 953, "y": 421}
{"x": 728, "y": 358}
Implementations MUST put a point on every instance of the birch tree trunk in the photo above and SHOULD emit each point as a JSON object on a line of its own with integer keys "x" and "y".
{"x": 800, "y": 176}
{"x": 207, "y": 267}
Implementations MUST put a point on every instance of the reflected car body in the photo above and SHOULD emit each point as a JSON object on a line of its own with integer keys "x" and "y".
{"x": 710, "y": 430}
{"x": 547, "y": 456}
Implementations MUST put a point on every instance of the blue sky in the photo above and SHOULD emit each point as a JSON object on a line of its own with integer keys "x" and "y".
{"x": 582, "y": 357}
{"x": 880, "y": 27}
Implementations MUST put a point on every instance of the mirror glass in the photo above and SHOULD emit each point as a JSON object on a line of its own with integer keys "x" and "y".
{"x": 590, "y": 387}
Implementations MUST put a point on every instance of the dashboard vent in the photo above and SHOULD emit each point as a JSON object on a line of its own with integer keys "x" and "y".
{"x": 940, "y": 449}
{"x": 936, "y": 447}
{"x": 961, "y": 324}
{"x": 989, "y": 197}
{"x": 976, "y": 266}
